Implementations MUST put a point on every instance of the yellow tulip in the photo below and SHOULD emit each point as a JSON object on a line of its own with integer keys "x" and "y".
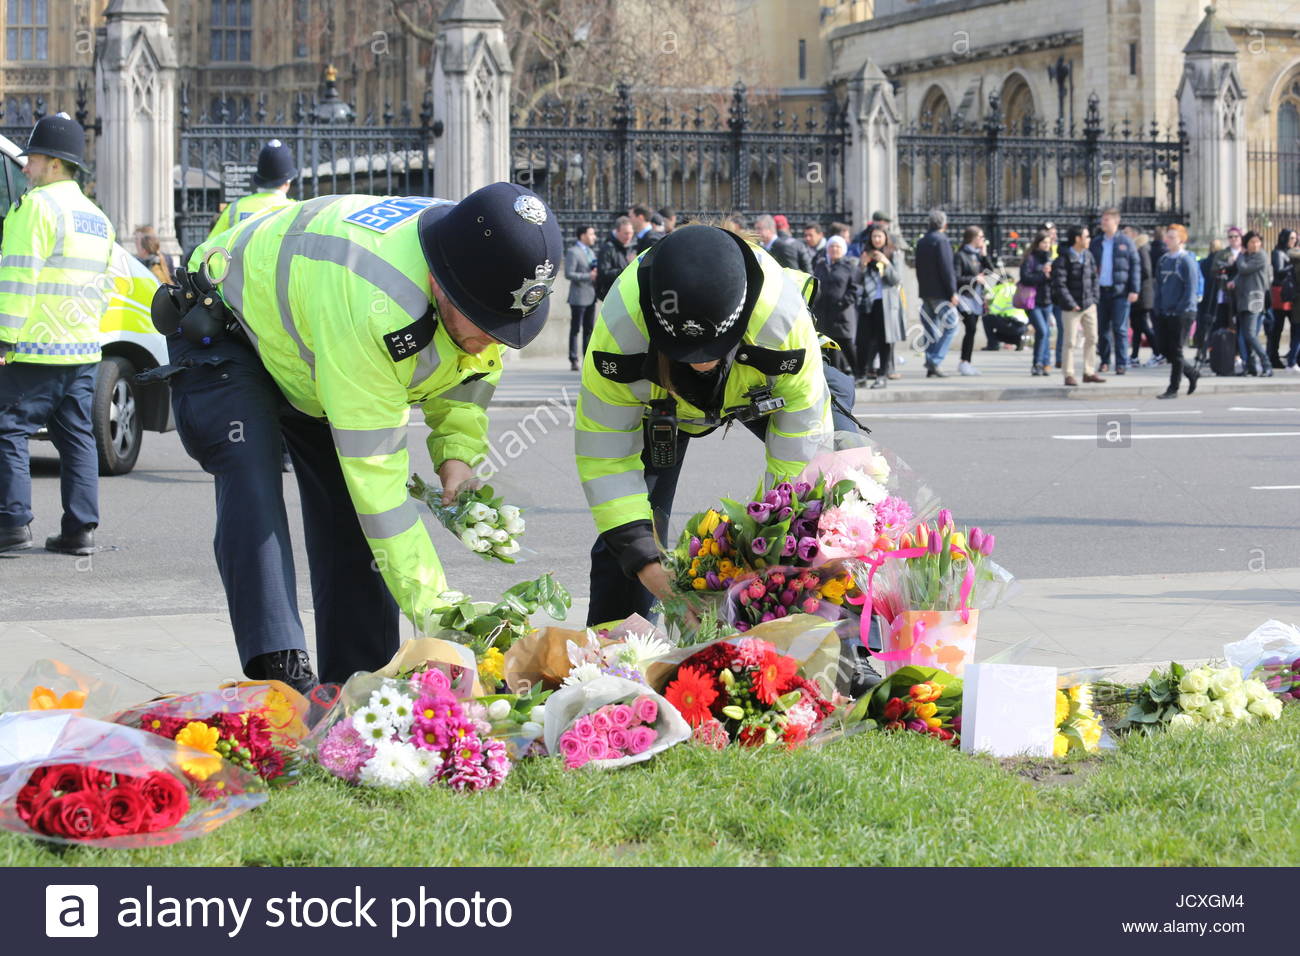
{"x": 927, "y": 710}
{"x": 958, "y": 541}
{"x": 709, "y": 522}
{"x": 933, "y": 722}
{"x": 699, "y": 584}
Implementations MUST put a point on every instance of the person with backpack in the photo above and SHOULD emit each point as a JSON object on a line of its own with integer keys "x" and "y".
{"x": 1174, "y": 307}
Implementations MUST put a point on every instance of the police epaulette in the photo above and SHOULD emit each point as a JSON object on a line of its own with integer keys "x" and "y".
{"x": 407, "y": 341}
{"x": 771, "y": 361}
{"x": 620, "y": 368}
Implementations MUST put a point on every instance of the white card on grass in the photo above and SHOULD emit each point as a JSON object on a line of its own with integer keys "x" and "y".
{"x": 1008, "y": 710}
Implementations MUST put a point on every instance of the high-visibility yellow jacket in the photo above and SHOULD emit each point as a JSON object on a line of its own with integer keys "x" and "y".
{"x": 54, "y": 281}
{"x": 334, "y": 293}
{"x": 780, "y": 348}
{"x": 246, "y": 207}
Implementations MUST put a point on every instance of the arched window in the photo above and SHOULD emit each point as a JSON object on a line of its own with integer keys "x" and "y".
{"x": 936, "y": 113}
{"x": 1288, "y": 140}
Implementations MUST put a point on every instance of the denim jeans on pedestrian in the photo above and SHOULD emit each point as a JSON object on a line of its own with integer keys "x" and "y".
{"x": 1112, "y": 328}
{"x": 940, "y": 321}
{"x": 1041, "y": 319}
{"x": 1248, "y": 324}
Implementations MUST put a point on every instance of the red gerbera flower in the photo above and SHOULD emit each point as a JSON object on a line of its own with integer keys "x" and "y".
{"x": 772, "y": 675}
{"x": 692, "y": 693}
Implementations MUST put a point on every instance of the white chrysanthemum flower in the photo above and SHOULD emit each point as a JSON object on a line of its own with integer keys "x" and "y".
{"x": 640, "y": 649}
{"x": 581, "y": 674}
{"x": 429, "y": 763}
{"x": 402, "y": 713}
{"x": 382, "y": 699}
{"x": 393, "y": 765}
{"x": 870, "y": 490}
{"x": 854, "y": 507}
{"x": 373, "y": 723}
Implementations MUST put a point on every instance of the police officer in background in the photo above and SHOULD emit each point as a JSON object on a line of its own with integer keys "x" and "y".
{"x": 705, "y": 328}
{"x": 342, "y": 312}
{"x": 275, "y": 172}
{"x": 54, "y": 261}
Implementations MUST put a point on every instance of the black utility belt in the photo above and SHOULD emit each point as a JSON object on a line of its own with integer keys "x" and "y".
{"x": 193, "y": 309}
{"x": 662, "y": 423}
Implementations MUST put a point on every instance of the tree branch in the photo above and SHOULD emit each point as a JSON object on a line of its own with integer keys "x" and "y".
{"x": 410, "y": 26}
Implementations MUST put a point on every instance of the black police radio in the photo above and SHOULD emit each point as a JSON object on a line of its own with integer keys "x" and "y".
{"x": 661, "y": 421}
{"x": 192, "y": 308}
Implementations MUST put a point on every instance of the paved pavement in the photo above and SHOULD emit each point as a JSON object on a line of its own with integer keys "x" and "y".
{"x": 1068, "y": 623}
{"x": 1004, "y": 377}
{"x": 1171, "y": 541}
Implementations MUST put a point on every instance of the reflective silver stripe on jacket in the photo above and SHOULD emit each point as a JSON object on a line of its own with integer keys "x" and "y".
{"x": 369, "y": 442}
{"x": 21, "y": 262}
{"x": 608, "y": 444}
{"x": 478, "y": 392}
{"x": 789, "y": 306}
{"x": 390, "y": 523}
{"x": 18, "y": 288}
{"x": 617, "y": 417}
{"x": 621, "y": 325}
{"x": 606, "y": 488}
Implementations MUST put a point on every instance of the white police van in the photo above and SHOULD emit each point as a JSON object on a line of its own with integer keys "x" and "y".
{"x": 122, "y": 410}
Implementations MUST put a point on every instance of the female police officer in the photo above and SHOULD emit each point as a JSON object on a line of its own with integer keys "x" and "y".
{"x": 703, "y": 329}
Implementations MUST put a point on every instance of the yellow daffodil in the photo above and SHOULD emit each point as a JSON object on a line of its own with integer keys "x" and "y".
{"x": 200, "y": 736}
{"x": 1060, "y": 746}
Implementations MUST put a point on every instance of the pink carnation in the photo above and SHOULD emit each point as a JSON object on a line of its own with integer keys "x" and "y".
{"x": 893, "y": 515}
{"x": 618, "y": 741}
{"x": 646, "y": 710}
{"x": 622, "y": 717}
{"x": 750, "y": 651}
{"x": 344, "y": 752}
{"x": 640, "y": 739}
{"x": 711, "y": 733}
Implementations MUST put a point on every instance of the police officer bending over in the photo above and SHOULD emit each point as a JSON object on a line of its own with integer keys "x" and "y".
{"x": 327, "y": 320}
{"x": 703, "y": 329}
{"x": 53, "y": 291}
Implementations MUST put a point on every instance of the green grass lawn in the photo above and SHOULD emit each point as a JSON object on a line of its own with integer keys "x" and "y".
{"x": 1202, "y": 798}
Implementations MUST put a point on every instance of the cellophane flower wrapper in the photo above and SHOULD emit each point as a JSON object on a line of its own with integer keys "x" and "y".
{"x": 895, "y": 587}
{"x": 37, "y": 739}
{"x": 1270, "y": 653}
{"x": 780, "y": 592}
{"x": 53, "y": 685}
{"x": 283, "y": 710}
{"x": 883, "y": 466}
{"x": 568, "y": 704}
{"x": 480, "y": 519}
{"x": 341, "y": 751}
{"x": 812, "y": 641}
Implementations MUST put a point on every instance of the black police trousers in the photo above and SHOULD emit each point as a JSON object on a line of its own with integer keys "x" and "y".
{"x": 232, "y": 417}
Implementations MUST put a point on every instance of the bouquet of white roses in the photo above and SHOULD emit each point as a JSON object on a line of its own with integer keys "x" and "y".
{"x": 1183, "y": 698}
{"x": 478, "y": 518}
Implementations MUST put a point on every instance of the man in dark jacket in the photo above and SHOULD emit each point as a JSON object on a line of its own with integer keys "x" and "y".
{"x": 1075, "y": 287}
{"x": 800, "y": 249}
{"x": 1119, "y": 275}
{"x": 616, "y": 251}
{"x": 1175, "y": 307}
{"x": 782, "y": 250}
{"x": 936, "y": 280}
{"x": 839, "y": 282}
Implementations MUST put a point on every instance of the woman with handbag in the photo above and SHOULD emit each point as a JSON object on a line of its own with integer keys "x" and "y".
{"x": 882, "y": 322}
{"x": 1034, "y": 296}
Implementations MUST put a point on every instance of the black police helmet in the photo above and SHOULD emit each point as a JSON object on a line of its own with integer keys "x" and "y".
{"x": 59, "y": 136}
{"x": 703, "y": 283}
{"x": 496, "y": 254}
{"x": 275, "y": 165}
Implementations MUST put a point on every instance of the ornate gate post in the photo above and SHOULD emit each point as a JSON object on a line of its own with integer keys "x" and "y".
{"x": 871, "y": 162}
{"x": 471, "y": 97}
{"x": 135, "y": 152}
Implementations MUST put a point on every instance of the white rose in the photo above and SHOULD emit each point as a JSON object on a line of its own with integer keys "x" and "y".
{"x": 538, "y": 714}
{"x": 1225, "y": 680}
{"x": 470, "y": 539}
{"x": 1182, "y": 722}
{"x": 483, "y": 546}
{"x": 483, "y": 529}
{"x": 1256, "y": 690}
{"x": 509, "y": 513}
{"x": 1236, "y": 698}
{"x": 1195, "y": 682}
{"x": 1193, "y": 702}
{"x": 507, "y": 549}
{"x": 477, "y": 512}
{"x": 1269, "y": 708}
{"x": 1234, "y": 708}
{"x": 514, "y": 525}
{"x": 500, "y": 536}
{"x": 1213, "y": 711}
{"x": 499, "y": 709}
{"x": 531, "y": 729}
{"x": 491, "y": 517}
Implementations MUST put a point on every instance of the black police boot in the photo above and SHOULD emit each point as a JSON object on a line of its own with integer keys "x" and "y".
{"x": 78, "y": 543}
{"x": 292, "y": 667}
{"x": 15, "y": 539}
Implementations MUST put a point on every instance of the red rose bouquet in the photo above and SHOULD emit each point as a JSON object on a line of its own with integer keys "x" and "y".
{"x": 73, "y": 779}
{"x": 747, "y": 692}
